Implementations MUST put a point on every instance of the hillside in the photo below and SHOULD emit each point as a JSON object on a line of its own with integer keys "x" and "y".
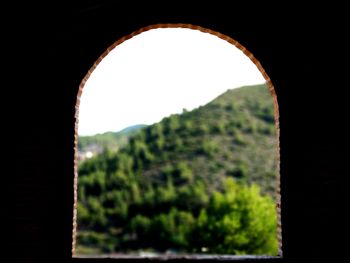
{"x": 155, "y": 192}
{"x": 108, "y": 140}
{"x": 234, "y": 135}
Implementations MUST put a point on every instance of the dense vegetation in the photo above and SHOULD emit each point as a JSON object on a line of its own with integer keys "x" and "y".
{"x": 197, "y": 182}
{"x": 112, "y": 141}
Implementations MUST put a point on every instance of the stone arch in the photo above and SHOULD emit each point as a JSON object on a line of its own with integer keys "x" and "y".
{"x": 204, "y": 30}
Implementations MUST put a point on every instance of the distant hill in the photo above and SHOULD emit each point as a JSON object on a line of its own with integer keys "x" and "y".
{"x": 129, "y": 130}
{"x": 177, "y": 168}
{"x": 109, "y": 140}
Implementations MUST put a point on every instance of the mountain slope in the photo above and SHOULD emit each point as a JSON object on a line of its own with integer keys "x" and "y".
{"x": 155, "y": 192}
{"x": 234, "y": 135}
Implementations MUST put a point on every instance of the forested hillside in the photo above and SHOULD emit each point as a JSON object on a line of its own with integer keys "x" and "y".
{"x": 112, "y": 141}
{"x": 198, "y": 182}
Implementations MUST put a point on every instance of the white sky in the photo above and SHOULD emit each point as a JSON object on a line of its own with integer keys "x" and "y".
{"x": 158, "y": 73}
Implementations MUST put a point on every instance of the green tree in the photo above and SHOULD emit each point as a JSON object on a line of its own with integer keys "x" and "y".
{"x": 140, "y": 225}
{"x": 238, "y": 221}
{"x": 182, "y": 173}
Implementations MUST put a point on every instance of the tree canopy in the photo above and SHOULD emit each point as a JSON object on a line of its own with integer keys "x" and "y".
{"x": 198, "y": 182}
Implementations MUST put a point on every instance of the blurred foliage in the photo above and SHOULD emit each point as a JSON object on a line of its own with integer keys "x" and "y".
{"x": 111, "y": 140}
{"x": 198, "y": 182}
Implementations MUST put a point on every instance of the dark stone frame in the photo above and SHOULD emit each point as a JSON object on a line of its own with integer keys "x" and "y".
{"x": 277, "y": 153}
{"x": 303, "y": 55}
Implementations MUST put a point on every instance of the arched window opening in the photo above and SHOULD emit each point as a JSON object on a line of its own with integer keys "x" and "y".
{"x": 177, "y": 149}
